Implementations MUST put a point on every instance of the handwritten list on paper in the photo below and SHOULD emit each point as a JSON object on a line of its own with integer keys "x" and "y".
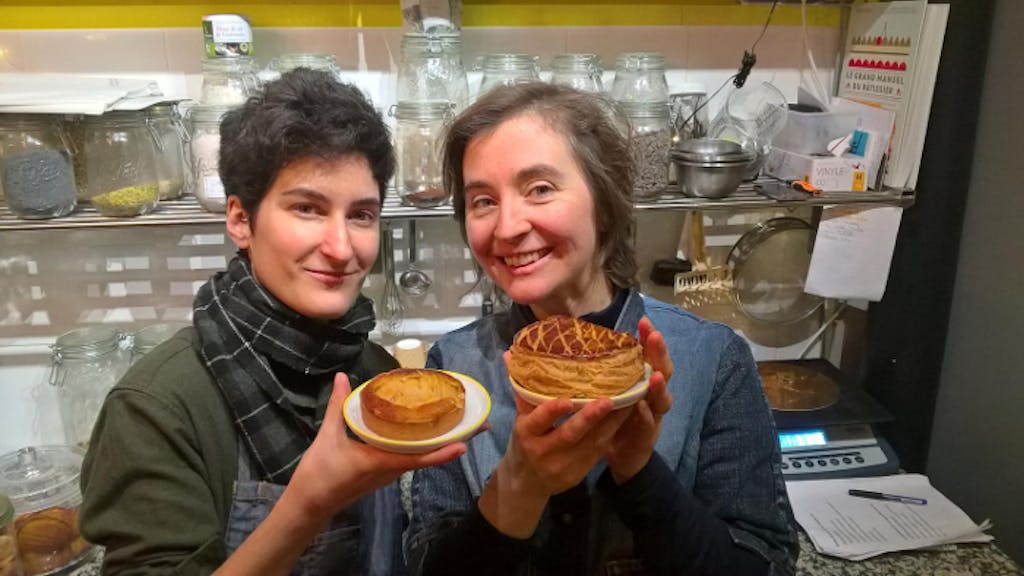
{"x": 852, "y": 252}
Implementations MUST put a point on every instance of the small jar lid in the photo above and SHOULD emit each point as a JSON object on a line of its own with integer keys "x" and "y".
{"x": 6, "y": 511}
{"x": 509, "y": 61}
{"x": 40, "y": 477}
{"x": 425, "y": 110}
{"x": 155, "y": 334}
{"x": 576, "y": 60}
{"x": 88, "y": 342}
{"x": 640, "y": 61}
{"x": 209, "y": 112}
{"x": 432, "y": 42}
{"x": 642, "y": 109}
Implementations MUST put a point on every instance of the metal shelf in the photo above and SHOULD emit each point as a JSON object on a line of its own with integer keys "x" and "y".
{"x": 188, "y": 211}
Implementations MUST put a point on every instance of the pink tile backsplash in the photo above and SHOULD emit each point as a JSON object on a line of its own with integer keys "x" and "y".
{"x": 543, "y": 42}
{"x": 180, "y": 49}
{"x": 12, "y": 54}
{"x": 98, "y": 50}
{"x": 609, "y": 42}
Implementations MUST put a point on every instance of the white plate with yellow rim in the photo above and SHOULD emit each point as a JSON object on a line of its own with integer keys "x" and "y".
{"x": 478, "y": 406}
{"x": 631, "y": 396}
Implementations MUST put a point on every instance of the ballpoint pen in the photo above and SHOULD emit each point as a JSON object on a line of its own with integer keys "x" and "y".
{"x": 889, "y": 497}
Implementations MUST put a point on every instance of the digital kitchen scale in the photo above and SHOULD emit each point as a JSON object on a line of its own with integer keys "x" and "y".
{"x": 835, "y": 452}
{"x": 824, "y": 422}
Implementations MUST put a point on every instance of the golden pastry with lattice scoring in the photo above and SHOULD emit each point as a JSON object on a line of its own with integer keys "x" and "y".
{"x": 412, "y": 404}
{"x": 567, "y": 357}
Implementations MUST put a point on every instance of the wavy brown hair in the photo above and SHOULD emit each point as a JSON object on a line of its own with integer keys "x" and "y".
{"x": 599, "y": 146}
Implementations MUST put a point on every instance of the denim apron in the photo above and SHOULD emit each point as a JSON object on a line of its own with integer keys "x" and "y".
{"x": 335, "y": 551}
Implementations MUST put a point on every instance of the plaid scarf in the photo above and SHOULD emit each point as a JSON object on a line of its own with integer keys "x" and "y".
{"x": 242, "y": 330}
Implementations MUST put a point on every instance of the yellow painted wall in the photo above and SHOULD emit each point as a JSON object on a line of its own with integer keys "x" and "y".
{"x": 35, "y": 14}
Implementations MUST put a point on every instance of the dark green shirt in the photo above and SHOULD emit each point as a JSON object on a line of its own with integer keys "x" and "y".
{"x": 157, "y": 479}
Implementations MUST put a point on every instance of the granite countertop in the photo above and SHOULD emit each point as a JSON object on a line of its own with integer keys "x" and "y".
{"x": 962, "y": 560}
{"x": 959, "y": 560}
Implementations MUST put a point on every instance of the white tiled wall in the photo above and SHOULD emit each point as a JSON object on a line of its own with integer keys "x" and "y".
{"x": 51, "y": 281}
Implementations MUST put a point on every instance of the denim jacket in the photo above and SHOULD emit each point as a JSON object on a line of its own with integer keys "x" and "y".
{"x": 718, "y": 437}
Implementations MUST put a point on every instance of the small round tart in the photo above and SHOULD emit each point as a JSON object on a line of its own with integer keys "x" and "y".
{"x": 412, "y": 404}
{"x": 562, "y": 356}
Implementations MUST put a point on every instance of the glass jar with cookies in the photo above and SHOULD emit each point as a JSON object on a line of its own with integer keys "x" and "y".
{"x": 42, "y": 483}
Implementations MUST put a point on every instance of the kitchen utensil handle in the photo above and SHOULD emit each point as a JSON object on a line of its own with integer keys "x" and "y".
{"x": 824, "y": 326}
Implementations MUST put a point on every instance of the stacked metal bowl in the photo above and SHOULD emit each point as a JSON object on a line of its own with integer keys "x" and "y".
{"x": 710, "y": 168}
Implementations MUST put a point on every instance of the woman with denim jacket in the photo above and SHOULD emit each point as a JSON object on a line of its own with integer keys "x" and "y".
{"x": 688, "y": 481}
{"x": 224, "y": 449}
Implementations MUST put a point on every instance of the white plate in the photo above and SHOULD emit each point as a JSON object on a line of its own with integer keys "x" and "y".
{"x": 631, "y": 396}
{"x": 478, "y": 406}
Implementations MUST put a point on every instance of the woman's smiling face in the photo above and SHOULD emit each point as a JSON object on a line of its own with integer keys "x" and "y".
{"x": 530, "y": 218}
{"x": 315, "y": 234}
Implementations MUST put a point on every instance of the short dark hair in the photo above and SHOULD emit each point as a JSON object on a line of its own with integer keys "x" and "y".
{"x": 600, "y": 148}
{"x": 304, "y": 113}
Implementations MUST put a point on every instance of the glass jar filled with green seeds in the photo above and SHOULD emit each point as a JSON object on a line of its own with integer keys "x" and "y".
{"x": 121, "y": 151}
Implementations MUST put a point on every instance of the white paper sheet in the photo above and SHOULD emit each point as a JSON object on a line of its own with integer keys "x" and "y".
{"x": 852, "y": 252}
{"x": 858, "y": 528}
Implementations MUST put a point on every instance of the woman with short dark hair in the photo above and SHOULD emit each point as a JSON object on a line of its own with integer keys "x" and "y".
{"x": 225, "y": 448}
{"x": 688, "y": 481}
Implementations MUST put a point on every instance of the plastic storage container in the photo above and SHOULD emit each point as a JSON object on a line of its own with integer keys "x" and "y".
{"x": 36, "y": 167}
{"x": 205, "y": 143}
{"x": 432, "y": 70}
{"x": 508, "y": 69}
{"x": 579, "y": 71}
{"x": 419, "y": 130}
{"x": 811, "y": 132}
{"x": 42, "y": 483}
{"x": 121, "y": 150}
{"x": 640, "y": 77}
{"x": 650, "y": 138}
{"x": 173, "y": 175}
{"x": 10, "y": 565}
{"x": 85, "y": 365}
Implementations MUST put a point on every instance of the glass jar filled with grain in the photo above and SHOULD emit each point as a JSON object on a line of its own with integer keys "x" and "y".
{"x": 121, "y": 151}
{"x": 36, "y": 168}
{"x": 650, "y": 138}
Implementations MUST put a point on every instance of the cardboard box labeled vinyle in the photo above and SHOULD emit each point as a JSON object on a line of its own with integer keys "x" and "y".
{"x": 830, "y": 173}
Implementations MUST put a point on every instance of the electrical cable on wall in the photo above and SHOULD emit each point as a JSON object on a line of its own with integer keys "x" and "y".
{"x": 746, "y": 66}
